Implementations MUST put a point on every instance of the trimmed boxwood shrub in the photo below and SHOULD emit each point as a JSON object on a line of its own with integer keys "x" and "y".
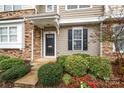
{"x": 9, "y": 63}
{"x": 50, "y": 74}
{"x": 2, "y": 57}
{"x": 61, "y": 60}
{"x": 102, "y": 70}
{"x": 15, "y": 72}
{"x": 75, "y": 65}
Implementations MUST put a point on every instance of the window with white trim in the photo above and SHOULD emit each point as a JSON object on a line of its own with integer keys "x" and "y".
{"x": 49, "y": 8}
{"x": 12, "y": 7}
{"x": 8, "y": 34}
{"x": 73, "y": 7}
{"x": 12, "y": 35}
{"x": 77, "y": 38}
{"x": 119, "y": 29}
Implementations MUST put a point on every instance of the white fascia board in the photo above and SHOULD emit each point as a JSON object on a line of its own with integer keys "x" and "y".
{"x": 80, "y": 20}
{"x": 11, "y": 21}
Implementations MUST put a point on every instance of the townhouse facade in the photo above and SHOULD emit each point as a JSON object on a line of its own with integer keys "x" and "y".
{"x": 48, "y": 31}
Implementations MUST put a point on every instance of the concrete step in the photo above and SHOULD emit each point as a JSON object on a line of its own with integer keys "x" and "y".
{"x": 29, "y": 80}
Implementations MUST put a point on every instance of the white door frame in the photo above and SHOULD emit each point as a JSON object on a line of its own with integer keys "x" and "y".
{"x": 49, "y": 32}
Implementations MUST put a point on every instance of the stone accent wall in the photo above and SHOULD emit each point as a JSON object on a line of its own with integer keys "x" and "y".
{"x": 16, "y": 14}
{"x": 37, "y": 42}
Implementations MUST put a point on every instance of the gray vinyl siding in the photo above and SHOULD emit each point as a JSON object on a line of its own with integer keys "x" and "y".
{"x": 95, "y": 11}
{"x": 62, "y": 42}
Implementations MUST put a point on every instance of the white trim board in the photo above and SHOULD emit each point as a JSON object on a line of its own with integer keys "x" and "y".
{"x": 44, "y": 47}
{"x": 11, "y": 21}
{"x": 80, "y": 20}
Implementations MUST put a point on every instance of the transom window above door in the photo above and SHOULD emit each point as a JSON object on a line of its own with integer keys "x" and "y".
{"x": 73, "y": 7}
{"x": 49, "y": 8}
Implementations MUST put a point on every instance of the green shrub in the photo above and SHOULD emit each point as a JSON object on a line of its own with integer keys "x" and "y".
{"x": 102, "y": 70}
{"x": 82, "y": 55}
{"x": 66, "y": 79}
{"x": 2, "y": 57}
{"x": 75, "y": 65}
{"x": 9, "y": 63}
{"x": 15, "y": 72}
{"x": 50, "y": 74}
{"x": 61, "y": 60}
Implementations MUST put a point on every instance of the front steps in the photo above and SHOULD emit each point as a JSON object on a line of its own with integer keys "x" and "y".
{"x": 31, "y": 79}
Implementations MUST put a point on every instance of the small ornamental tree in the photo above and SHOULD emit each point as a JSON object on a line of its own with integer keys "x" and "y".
{"x": 113, "y": 30}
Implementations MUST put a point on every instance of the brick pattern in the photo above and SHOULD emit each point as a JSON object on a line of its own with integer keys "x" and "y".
{"x": 37, "y": 42}
{"x": 29, "y": 27}
{"x": 16, "y": 14}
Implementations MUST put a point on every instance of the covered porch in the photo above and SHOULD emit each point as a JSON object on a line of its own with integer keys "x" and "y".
{"x": 46, "y": 27}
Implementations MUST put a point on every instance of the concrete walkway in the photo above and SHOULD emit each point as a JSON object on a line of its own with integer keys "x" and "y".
{"x": 31, "y": 79}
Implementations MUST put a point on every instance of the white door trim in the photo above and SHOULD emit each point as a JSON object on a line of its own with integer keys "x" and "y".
{"x": 49, "y": 32}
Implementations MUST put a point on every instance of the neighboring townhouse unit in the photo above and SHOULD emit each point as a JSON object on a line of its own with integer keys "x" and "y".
{"x": 48, "y": 31}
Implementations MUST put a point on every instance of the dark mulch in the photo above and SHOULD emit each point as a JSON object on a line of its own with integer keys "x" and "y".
{"x": 61, "y": 85}
{"x": 6, "y": 84}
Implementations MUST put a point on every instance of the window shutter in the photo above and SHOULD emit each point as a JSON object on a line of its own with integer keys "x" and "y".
{"x": 70, "y": 39}
{"x": 85, "y": 39}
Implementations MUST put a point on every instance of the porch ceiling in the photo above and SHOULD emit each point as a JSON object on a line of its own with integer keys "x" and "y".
{"x": 45, "y": 20}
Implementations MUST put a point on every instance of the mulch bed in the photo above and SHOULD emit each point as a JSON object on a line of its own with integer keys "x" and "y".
{"x": 6, "y": 84}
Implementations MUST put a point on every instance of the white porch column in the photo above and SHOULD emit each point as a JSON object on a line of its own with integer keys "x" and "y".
{"x": 32, "y": 47}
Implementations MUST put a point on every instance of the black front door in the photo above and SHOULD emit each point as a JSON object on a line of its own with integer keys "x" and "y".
{"x": 50, "y": 44}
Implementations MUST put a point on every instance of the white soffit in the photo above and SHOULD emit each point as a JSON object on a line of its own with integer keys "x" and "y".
{"x": 80, "y": 20}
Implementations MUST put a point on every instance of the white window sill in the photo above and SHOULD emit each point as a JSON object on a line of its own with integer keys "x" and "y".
{"x": 12, "y": 46}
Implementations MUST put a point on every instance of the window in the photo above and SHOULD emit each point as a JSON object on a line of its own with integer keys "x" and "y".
{"x": 12, "y": 7}
{"x": 17, "y": 7}
{"x": 8, "y": 8}
{"x": 8, "y": 34}
{"x": 116, "y": 30}
{"x": 49, "y": 8}
{"x": 72, "y": 7}
{"x": 3, "y": 34}
{"x": 77, "y": 39}
{"x": 12, "y": 34}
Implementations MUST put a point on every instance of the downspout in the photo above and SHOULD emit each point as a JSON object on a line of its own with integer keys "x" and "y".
{"x": 101, "y": 50}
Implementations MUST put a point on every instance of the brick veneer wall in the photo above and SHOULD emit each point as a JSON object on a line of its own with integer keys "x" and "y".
{"x": 16, "y": 14}
{"x": 37, "y": 42}
{"x": 108, "y": 46}
{"x": 29, "y": 27}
